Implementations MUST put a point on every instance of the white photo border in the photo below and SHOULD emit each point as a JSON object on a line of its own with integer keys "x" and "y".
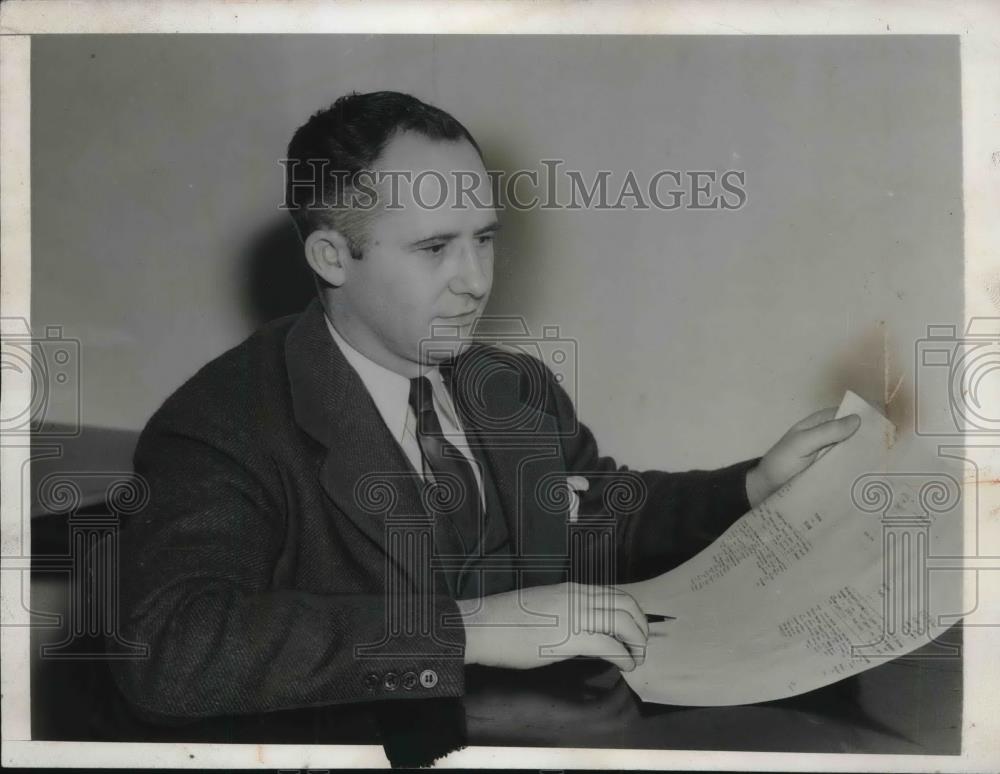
{"x": 976, "y": 23}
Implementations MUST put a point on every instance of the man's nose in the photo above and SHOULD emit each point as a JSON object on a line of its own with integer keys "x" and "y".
{"x": 473, "y": 274}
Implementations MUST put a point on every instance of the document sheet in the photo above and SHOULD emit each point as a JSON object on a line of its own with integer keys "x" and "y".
{"x": 854, "y": 562}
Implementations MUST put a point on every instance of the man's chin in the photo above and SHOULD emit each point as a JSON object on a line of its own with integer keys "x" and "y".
{"x": 446, "y": 343}
{"x": 442, "y": 350}
{"x": 449, "y": 337}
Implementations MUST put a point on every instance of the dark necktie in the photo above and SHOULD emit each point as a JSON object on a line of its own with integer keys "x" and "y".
{"x": 450, "y": 469}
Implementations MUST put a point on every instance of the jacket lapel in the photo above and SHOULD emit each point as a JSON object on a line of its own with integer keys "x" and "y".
{"x": 364, "y": 472}
{"x": 363, "y": 462}
{"x": 521, "y": 447}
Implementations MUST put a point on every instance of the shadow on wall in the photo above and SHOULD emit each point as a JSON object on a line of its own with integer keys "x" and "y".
{"x": 277, "y": 280}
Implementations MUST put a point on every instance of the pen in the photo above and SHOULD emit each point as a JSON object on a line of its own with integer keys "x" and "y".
{"x": 653, "y": 618}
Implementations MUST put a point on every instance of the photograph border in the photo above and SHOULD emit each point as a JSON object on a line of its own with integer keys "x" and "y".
{"x": 977, "y": 24}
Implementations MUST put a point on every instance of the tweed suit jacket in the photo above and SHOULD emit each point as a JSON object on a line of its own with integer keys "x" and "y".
{"x": 264, "y": 572}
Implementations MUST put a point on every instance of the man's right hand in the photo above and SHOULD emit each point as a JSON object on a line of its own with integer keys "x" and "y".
{"x": 540, "y": 625}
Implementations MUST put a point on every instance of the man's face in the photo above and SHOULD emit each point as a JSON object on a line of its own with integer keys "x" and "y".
{"x": 424, "y": 267}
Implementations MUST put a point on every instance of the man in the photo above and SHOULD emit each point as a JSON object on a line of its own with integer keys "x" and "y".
{"x": 266, "y": 571}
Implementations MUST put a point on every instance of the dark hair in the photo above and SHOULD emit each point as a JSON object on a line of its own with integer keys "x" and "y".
{"x": 345, "y": 139}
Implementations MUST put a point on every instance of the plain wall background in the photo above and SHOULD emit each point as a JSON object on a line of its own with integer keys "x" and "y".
{"x": 158, "y": 243}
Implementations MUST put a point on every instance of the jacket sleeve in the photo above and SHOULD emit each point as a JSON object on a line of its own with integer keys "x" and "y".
{"x": 196, "y": 567}
{"x": 665, "y": 518}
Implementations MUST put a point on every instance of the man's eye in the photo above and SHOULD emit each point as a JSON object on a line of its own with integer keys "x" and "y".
{"x": 434, "y": 249}
{"x": 485, "y": 239}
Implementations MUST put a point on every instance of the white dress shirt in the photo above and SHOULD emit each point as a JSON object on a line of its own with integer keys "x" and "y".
{"x": 391, "y": 393}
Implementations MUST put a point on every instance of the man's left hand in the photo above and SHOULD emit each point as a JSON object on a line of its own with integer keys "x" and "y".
{"x": 797, "y": 450}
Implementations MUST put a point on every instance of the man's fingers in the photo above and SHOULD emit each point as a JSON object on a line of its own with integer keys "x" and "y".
{"x": 619, "y": 624}
{"x": 627, "y": 602}
{"x": 828, "y": 433}
{"x": 609, "y": 597}
{"x": 634, "y": 636}
{"x": 603, "y": 646}
{"x": 816, "y": 418}
{"x": 627, "y": 630}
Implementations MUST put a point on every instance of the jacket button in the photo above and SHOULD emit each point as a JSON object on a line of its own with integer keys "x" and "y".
{"x": 390, "y": 681}
{"x": 371, "y": 681}
{"x": 428, "y": 678}
{"x": 409, "y": 681}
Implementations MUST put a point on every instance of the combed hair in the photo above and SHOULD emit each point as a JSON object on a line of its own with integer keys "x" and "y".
{"x": 346, "y": 139}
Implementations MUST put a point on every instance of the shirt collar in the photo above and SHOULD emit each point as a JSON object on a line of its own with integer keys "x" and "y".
{"x": 391, "y": 391}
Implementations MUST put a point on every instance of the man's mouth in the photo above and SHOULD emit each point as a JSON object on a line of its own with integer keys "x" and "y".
{"x": 461, "y": 318}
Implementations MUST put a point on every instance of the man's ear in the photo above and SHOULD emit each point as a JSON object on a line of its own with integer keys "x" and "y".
{"x": 327, "y": 251}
